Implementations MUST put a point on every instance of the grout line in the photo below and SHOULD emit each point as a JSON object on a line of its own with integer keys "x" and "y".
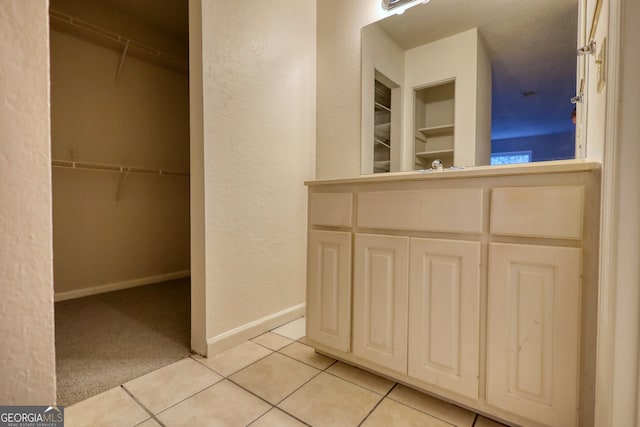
{"x": 135, "y": 399}
{"x": 377, "y": 404}
{"x": 238, "y": 370}
{"x": 176, "y": 403}
{"x": 427, "y": 413}
{"x": 265, "y": 413}
{"x": 360, "y": 385}
{"x": 269, "y": 403}
{"x": 308, "y": 364}
{"x": 475, "y": 419}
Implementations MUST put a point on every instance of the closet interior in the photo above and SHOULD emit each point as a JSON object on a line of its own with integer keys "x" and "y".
{"x": 120, "y": 173}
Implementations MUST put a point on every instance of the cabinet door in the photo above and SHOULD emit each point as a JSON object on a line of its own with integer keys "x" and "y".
{"x": 329, "y": 289}
{"x": 444, "y": 314}
{"x": 380, "y": 300}
{"x": 532, "y": 331}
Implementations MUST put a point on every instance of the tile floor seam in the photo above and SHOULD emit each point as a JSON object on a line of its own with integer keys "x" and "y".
{"x": 180, "y": 401}
{"x": 302, "y": 361}
{"x": 377, "y": 404}
{"x": 264, "y": 346}
{"x": 251, "y": 392}
{"x": 235, "y": 372}
{"x": 424, "y": 412}
{"x": 352, "y": 382}
{"x": 298, "y": 388}
{"x": 262, "y": 415}
{"x": 475, "y": 419}
{"x": 282, "y": 410}
{"x": 147, "y": 410}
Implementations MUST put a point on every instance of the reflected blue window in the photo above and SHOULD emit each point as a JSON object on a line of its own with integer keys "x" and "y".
{"x": 510, "y": 157}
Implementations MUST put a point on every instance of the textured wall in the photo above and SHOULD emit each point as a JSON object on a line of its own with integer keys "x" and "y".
{"x": 27, "y": 370}
{"x": 142, "y": 120}
{"x": 259, "y": 63}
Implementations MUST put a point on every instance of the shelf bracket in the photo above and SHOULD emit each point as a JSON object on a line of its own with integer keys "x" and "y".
{"x": 122, "y": 58}
{"x": 123, "y": 180}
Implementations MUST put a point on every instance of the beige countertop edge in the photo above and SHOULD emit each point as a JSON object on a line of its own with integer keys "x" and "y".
{"x": 556, "y": 166}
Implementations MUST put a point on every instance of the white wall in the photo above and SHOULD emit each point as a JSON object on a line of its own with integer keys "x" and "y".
{"x": 26, "y": 267}
{"x": 338, "y": 84}
{"x": 139, "y": 120}
{"x": 259, "y": 63}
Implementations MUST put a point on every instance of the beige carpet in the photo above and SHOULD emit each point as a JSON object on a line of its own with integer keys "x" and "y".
{"x": 105, "y": 340}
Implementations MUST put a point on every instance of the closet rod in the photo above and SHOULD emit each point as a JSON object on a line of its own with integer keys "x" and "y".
{"x": 110, "y": 36}
{"x": 113, "y": 168}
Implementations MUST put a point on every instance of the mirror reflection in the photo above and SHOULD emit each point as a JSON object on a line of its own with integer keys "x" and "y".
{"x": 469, "y": 83}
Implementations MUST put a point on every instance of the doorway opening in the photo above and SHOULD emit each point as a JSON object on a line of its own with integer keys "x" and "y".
{"x": 120, "y": 173}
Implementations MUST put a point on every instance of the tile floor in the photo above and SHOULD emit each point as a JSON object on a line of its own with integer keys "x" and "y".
{"x": 272, "y": 380}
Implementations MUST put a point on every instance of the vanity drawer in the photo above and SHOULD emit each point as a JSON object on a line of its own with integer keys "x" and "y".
{"x": 331, "y": 209}
{"x": 442, "y": 210}
{"x": 552, "y": 212}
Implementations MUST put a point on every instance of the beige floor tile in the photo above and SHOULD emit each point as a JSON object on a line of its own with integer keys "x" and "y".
{"x": 169, "y": 385}
{"x": 432, "y": 406}
{"x": 223, "y": 404}
{"x": 272, "y": 341}
{"x": 486, "y": 422}
{"x": 362, "y": 378}
{"x": 236, "y": 358}
{"x": 391, "y": 413}
{"x": 330, "y": 401}
{"x": 276, "y": 418}
{"x": 274, "y": 377}
{"x": 112, "y": 408}
{"x": 149, "y": 423}
{"x": 307, "y": 355}
{"x": 292, "y": 330}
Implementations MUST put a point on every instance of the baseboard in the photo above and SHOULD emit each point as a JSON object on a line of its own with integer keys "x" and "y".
{"x": 109, "y": 287}
{"x": 238, "y": 335}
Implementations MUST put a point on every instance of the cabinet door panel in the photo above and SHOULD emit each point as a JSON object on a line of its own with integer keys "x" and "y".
{"x": 533, "y": 330}
{"x": 380, "y": 302}
{"x": 329, "y": 289}
{"x": 444, "y": 314}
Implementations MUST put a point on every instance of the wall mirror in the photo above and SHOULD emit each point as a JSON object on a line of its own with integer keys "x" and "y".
{"x": 469, "y": 83}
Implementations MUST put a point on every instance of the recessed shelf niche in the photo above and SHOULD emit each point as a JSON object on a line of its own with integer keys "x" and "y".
{"x": 434, "y": 124}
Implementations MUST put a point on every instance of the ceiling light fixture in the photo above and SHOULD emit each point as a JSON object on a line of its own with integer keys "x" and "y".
{"x": 399, "y": 6}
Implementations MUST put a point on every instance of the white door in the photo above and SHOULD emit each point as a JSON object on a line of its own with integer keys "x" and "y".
{"x": 380, "y": 300}
{"x": 533, "y": 331}
{"x": 329, "y": 289}
{"x": 444, "y": 314}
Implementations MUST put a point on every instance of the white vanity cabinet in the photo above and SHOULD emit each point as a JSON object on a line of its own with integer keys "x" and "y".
{"x": 533, "y": 328}
{"x": 416, "y": 308}
{"x": 476, "y": 286}
{"x": 329, "y": 289}
{"x": 444, "y": 314}
{"x": 380, "y": 299}
{"x": 329, "y": 271}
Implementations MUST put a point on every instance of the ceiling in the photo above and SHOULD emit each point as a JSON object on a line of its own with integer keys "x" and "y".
{"x": 531, "y": 45}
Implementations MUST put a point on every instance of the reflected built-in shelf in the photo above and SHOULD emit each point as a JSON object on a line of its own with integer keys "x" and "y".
{"x": 436, "y": 130}
{"x": 434, "y": 153}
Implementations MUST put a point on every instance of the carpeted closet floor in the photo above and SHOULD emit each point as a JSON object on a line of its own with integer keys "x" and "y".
{"x": 105, "y": 340}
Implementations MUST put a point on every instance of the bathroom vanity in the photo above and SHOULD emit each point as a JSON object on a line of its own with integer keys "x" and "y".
{"x": 478, "y": 286}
